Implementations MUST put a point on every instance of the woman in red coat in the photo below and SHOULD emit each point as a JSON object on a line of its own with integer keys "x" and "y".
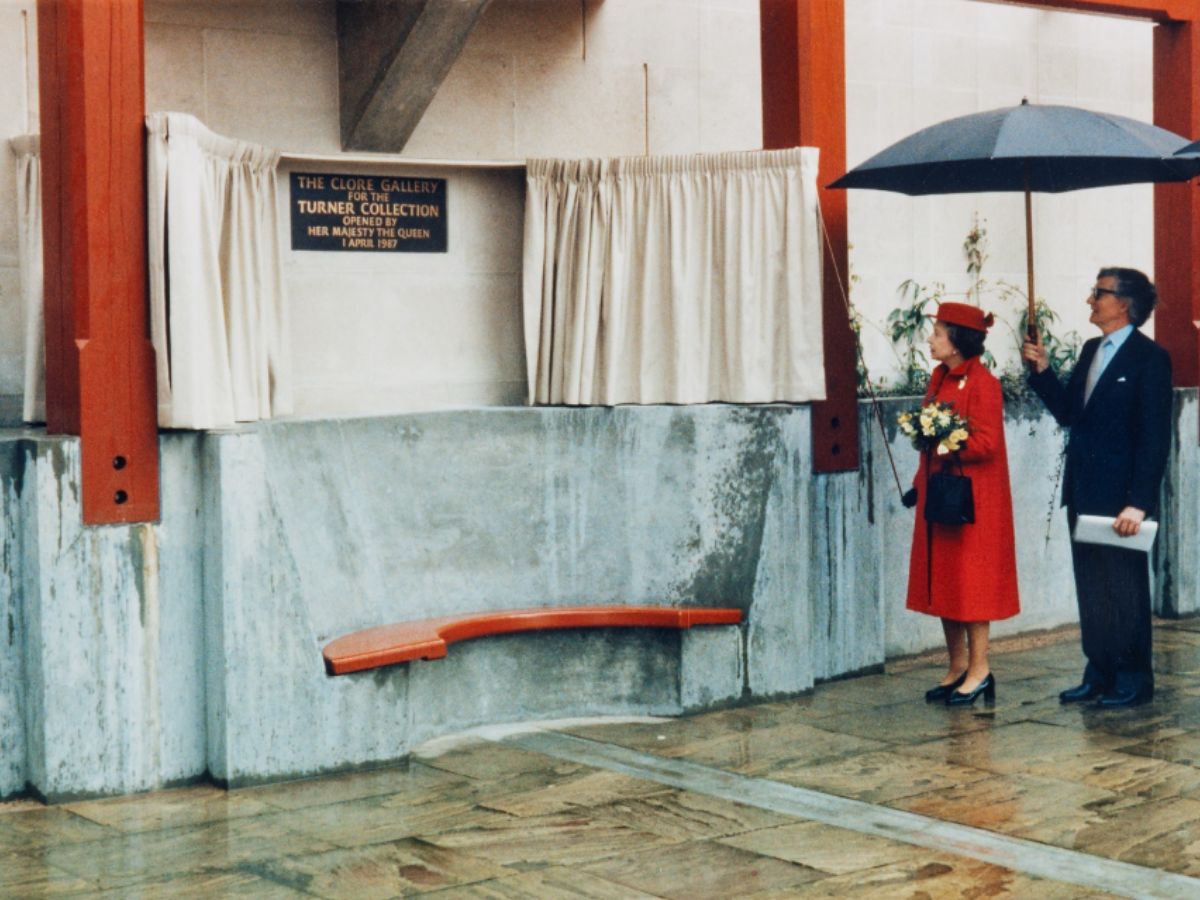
{"x": 966, "y": 574}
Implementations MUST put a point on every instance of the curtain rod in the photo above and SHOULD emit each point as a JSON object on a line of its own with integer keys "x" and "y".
{"x": 390, "y": 160}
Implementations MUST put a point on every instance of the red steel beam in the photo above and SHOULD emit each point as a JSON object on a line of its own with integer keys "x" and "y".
{"x": 804, "y": 104}
{"x": 1177, "y": 206}
{"x": 100, "y": 379}
{"x": 1154, "y": 10}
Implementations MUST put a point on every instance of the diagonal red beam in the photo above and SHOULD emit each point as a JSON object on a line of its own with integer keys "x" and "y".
{"x": 804, "y": 104}
{"x": 1154, "y": 10}
{"x": 100, "y": 381}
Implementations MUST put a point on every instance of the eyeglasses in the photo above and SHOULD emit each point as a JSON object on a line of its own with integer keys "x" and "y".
{"x": 1098, "y": 292}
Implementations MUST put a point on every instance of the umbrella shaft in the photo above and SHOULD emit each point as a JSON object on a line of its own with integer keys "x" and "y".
{"x": 1030, "y": 326}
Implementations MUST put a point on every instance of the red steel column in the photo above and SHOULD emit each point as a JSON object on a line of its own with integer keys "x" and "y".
{"x": 100, "y": 379}
{"x": 1177, "y": 206}
{"x": 804, "y": 104}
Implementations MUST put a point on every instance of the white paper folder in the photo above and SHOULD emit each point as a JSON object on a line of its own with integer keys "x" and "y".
{"x": 1099, "y": 530}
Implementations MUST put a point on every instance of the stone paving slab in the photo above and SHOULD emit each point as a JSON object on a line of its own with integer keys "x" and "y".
{"x": 1118, "y": 792}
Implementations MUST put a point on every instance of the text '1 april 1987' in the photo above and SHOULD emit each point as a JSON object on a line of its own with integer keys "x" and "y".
{"x": 368, "y": 212}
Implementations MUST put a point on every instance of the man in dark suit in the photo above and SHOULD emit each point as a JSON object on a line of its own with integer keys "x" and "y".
{"x": 1117, "y": 405}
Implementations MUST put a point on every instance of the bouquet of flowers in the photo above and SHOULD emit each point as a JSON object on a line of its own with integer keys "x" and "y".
{"x": 935, "y": 426}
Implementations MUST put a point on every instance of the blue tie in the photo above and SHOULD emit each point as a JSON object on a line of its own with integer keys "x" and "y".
{"x": 1097, "y": 368}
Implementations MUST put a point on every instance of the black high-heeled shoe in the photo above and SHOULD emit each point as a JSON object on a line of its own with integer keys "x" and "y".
{"x": 987, "y": 687}
{"x": 942, "y": 691}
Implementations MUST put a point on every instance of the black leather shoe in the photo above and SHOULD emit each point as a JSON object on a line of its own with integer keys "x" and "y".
{"x": 987, "y": 687}
{"x": 1120, "y": 699}
{"x": 942, "y": 691}
{"x": 1080, "y": 694}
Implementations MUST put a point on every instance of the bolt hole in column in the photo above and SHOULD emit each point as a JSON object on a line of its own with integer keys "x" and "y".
{"x": 120, "y": 497}
{"x": 118, "y": 462}
{"x": 835, "y": 422}
{"x": 835, "y": 449}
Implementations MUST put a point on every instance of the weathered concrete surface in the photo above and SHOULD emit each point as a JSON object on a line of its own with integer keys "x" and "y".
{"x": 392, "y": 57}
{"x": 320, "y": 528}
{"x": 14, "y": 455}
{"x": 136, "y": 656}
{"x": 1177, "y": 551}
{"x": 100, "y": 668}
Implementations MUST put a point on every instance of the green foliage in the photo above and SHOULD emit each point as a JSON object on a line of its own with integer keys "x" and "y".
{"x": 975, "y": 250}
{"x": 1063, "y": 350}
{"x": 860, "y": 367}
{"x": 908, "y": 324}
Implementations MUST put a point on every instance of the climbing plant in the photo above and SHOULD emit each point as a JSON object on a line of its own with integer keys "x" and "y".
{"x": 908, "y": 325}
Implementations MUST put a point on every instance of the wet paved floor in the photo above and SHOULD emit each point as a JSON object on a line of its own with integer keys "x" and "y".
{"x": 858, "y": 789}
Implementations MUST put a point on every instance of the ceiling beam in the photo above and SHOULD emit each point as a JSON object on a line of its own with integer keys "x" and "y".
{"x": 392, "y": 57}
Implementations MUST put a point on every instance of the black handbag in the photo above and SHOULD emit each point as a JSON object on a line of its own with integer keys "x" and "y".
{"x": 949, "y": 499}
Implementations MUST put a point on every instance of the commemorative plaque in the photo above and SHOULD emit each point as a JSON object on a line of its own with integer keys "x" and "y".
{"x": 380, "y": 213}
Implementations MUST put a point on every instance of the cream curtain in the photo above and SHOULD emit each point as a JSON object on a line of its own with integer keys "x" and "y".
{"x": 218, "y": 314}
{"x": 681, "y": 279}
{"x": 29, "y": 261}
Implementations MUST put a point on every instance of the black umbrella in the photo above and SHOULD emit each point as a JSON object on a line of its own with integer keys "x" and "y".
{"x": 1191, "y": 150}
{"x": 1026, "y": 148}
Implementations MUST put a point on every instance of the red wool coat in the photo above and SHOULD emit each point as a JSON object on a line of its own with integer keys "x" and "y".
{"x": 974, "y": 575}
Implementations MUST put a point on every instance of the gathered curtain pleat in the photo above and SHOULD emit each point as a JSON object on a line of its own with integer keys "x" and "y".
{"x": 218, "y": 312}
{"x": 678, "y": 279}
{"x": 29, "y": 263}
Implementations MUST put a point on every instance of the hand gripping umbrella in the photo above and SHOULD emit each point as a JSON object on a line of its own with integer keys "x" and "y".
{"x": 1026, "y": 148}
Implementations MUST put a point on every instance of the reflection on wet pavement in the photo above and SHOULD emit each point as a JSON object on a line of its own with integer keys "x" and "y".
{"x": 505, "y": 819}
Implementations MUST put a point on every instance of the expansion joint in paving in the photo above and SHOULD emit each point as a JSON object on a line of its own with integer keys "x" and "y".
{"x": 1017, "y": 854}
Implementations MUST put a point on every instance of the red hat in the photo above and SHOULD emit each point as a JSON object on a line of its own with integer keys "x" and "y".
{"x": 965, "y": 315}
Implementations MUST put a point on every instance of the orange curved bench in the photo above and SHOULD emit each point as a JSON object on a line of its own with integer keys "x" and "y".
{"x": 385, "y": 645}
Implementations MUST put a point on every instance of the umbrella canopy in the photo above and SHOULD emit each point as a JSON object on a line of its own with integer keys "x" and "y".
{"x": 1026, "y": 148}
{"x": 1192, "y": 149}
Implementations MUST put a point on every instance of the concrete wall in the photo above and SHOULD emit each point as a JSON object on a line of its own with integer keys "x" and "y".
{"x": 323, "y": 528}
{"x": 138, "y": 656}
{"x": 1177, "y": 551}
{"x": 101, "y": 678}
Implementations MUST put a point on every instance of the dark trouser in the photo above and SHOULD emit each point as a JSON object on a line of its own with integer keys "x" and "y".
{"x": 1113, "y": 587}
